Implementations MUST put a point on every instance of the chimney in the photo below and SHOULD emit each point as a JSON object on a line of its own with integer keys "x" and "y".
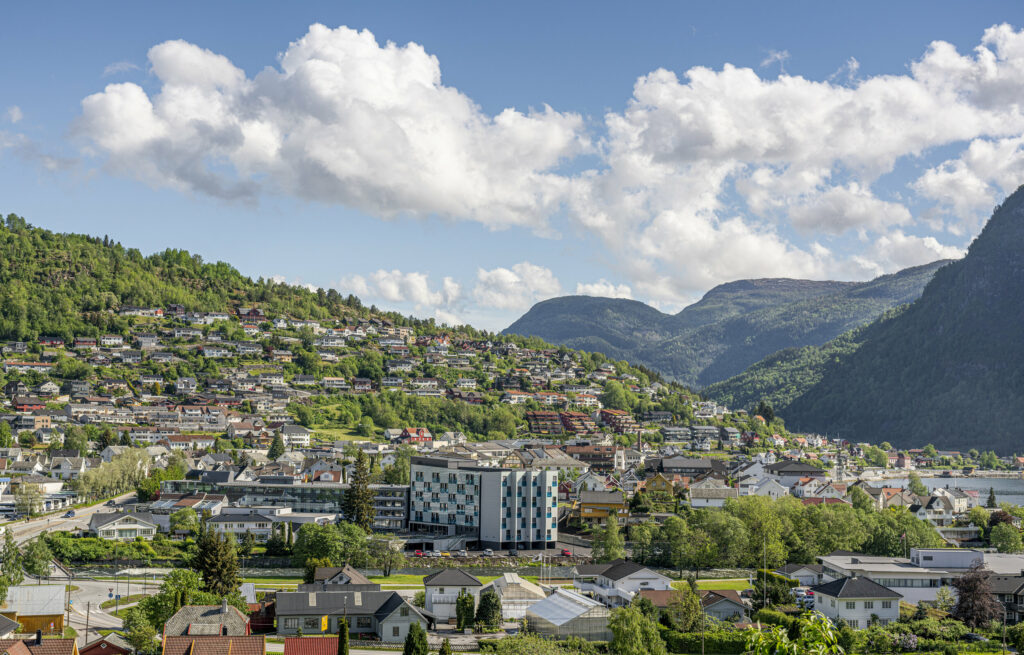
{"x": 39, "y": 638}
{"x": 224, "y": 606}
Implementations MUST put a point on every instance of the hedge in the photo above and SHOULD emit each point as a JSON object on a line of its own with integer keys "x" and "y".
{"x": 715, "y": 642}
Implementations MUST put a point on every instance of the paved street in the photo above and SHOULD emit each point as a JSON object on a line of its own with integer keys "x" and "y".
{"x": 27, "y": 530}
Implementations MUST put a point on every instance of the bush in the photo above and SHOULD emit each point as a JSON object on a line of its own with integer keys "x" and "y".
{"x": 721, "y": 642}
{"x": 772, "y": 617}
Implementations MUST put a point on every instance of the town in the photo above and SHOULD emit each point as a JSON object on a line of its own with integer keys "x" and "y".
{"x": 435, "y": 490}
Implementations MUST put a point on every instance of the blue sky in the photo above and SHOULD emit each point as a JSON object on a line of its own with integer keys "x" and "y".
{"x": 498, "y": 155}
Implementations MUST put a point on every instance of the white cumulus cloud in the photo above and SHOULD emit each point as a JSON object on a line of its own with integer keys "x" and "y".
{"x": 396, "y": 286}
{"x": 604, "y": 288}
{"x": 515, "y": 288}
{"x": 14, "y": 114}
{"x": 343, "y": 119}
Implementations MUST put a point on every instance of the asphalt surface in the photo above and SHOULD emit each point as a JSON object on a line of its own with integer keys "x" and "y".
{"x": 28, "y": 530}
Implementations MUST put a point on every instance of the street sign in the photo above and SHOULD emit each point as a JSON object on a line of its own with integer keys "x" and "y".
{"x": 119, "y": 596}
{"x": 71, "y": 602}
{"x": 110, "y": 595}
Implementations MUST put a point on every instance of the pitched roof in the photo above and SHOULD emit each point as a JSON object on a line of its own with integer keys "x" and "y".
{"x": 709, "y": 597}
{"x": 563, "y": 606}
{"x": 30, "y": 647}
{"x": 310, "y": 645}
{"x": 857, "y": 587}
{"x": 214, "y": 645}
{"x": 378, "y": 603}
{"x": 34, "y": 600}
{"x": 660, "y": 597}
{"x": 7, "y": 626}
{"x": 207, "y": 620}
{"x": 325, "y": 573}
{"x": 452, "y": 578}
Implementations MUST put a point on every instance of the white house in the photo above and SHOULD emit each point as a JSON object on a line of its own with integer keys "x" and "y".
{"x": 443, "y": 589}
{"x": 123, "y": 527}
{"x": 858, "y": 602}
{"x": 617, "y": 583}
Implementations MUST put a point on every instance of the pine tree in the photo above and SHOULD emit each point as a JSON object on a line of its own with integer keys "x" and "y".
{"x": 217, "y": 562}
{"x": 276, "y": 448}
{"x": 991, "y": 498}
{"x": 415, "y": 641}
{"x": 464, "y": 609}
{"x": 343, "y": 636}
{"x": 446, "y": 647}
{"x": 359, "y": 499}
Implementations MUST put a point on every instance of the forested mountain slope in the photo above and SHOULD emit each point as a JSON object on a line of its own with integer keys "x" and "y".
{"x": 733, "y": 326}
{"x": 65, "y": 284}
{"x": 949, "y": 369}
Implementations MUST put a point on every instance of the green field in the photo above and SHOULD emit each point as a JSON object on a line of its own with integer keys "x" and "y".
{"x": 734, "y": 584}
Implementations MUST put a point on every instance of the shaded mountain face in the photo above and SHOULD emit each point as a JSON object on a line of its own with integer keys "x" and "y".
{"x": 733, "y": 326}
{"x": 947, "y": 370}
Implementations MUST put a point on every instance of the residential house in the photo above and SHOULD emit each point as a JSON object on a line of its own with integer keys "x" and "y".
{"x": 121, "y": 526}
{"x": 615, "y": 583}
{"x": 443, "y": 589}
{"x": 807, "y": 575}
{"x": 207, "y": 644}
{"x": 595, "y": 507}
{"x": 857, "y": 601}
{"x": 723, "y": 604}
{"x": 38, "y": 608}
{"x": 384, "y": 614}
{"x": 223, "y": 619}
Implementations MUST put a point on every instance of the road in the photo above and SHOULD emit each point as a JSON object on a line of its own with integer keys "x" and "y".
{"x": 27, "y": 530}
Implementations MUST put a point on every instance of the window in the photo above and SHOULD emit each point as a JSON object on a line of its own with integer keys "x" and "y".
{"x": 403, "y": 612}
{"x": 396, "y": 631}
{"x": 291, "y": 623}
{"x": 853, "y": 623}
{"x": 869, "y": 604}
{"x": 311, "y": 623}
{"x": 850, "y": 604}
{"x": 363, "y": 622}
{"x": 886, "y": 604}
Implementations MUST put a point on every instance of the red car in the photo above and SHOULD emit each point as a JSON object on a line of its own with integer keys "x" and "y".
{"x": 418, "y": 553}
{"x": 566, "y": 552}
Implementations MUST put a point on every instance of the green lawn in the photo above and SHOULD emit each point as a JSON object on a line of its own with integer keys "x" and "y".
{"x": 339, "y": 434}
{"x": 734, "y": 584}
{"x": 134, "y": 598}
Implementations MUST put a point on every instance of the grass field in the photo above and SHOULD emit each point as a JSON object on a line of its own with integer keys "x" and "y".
{"x": 134, "y": 598}
{"x": 735, "y": 584}
{"x": 338, "y": 434}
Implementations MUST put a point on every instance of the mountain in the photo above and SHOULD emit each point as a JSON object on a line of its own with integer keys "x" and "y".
{"x": 733, "y": 326}
{"x": 947, "y": 370}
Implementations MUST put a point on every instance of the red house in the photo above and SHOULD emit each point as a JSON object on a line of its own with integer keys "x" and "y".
{"x": 416, "y": 435}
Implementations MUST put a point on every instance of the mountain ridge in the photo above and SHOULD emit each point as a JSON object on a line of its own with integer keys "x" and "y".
{"x": 731, "y": 327}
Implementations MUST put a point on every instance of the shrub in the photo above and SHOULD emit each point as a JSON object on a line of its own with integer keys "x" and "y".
{"x": 719, "y": 641}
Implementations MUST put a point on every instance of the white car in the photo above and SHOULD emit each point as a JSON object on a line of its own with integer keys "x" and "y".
{"x": 488, "y": 552}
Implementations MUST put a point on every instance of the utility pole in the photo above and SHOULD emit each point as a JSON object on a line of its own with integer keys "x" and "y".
{"x": 88, "y": 610}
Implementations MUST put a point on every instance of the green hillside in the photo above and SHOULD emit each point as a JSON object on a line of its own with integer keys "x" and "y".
{"x": 732, "y": 327}
{"x": 67, "y": 284}
{"x": 948, "y": 370}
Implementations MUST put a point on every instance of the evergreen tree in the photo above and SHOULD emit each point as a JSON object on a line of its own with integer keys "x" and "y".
{"x": 446, "y": 647}
{"x": 915, "y": 485}
{"x": 343, "y": 636}
{"x": 359, "y": 498}
{"x": 465, "y": 606}
{"x": 276, "y": 448}
{"x": 416, "y": 640}
{"x": 991, "y": 503}
{"x": 217, "y": 562}
{"x": 488, "y": 612}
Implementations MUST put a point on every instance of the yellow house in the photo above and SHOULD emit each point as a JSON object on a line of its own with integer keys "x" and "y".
{"x": 659, "y": 482}
{"x": 596, "y": 506}
{"x": 36, "y": 607}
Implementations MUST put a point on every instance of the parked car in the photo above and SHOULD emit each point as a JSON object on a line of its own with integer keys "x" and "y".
{"x": 566, "y": 552}
{"x": 445, "y": 553}
{"x": 70, "y": 514}
{"x": 462, "y": 553}
{"x": 110, "y": 503}
{"x": 513, "y": 552}
{"x": 974, "y": 636}
{"x": 418, "y": 553}
{"x": 488, "y": 552}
